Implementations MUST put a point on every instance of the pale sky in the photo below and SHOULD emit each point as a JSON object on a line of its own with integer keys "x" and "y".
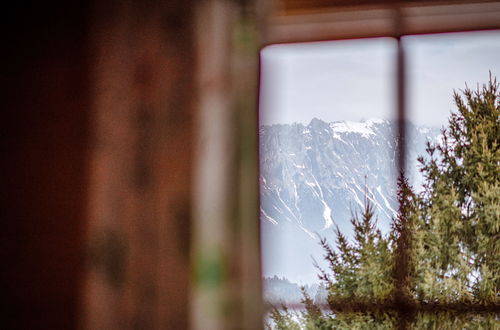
{"x": 354, "y": 79}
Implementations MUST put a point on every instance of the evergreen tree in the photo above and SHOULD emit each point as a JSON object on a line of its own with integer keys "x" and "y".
{"x": 361, "y": 270}
{"x": 459, "y": 212}
{"x": 443, "y": 247}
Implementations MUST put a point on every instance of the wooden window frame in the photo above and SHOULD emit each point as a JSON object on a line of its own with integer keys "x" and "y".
{"x": 295, "y": 21}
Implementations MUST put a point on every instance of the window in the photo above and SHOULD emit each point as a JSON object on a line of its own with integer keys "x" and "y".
{"x": 413, "y": 57}
{"x": 326, "y": 137}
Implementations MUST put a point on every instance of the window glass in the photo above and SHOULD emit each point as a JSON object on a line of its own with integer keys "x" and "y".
{"x": 326, "y": 144}
{"x": 449, "y": 87}
{"x": 328, "y": 156}
{"x": 438, "y": 65}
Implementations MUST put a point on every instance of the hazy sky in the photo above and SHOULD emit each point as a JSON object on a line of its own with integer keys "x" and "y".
{"x": 354, "y": 79}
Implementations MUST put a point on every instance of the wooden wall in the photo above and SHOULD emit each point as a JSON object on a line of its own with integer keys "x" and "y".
{"x": 107, "y": 172}
{"x": 143, "y": 93}
{"x": 97, "y": 136}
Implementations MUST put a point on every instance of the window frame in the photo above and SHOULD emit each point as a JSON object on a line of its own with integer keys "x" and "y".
{"x": 313, "y": 21}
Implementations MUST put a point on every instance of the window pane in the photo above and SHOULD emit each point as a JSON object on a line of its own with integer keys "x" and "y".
{"x": 326, "y": 145}
{"x": 438, "y": 65}
{"x": 457, "y": 231}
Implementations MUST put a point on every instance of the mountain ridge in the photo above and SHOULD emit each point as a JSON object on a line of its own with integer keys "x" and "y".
{"x": 312, "y": 178}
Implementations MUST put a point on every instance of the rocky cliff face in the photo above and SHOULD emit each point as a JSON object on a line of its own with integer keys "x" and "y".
{"x": 313, "y": 177}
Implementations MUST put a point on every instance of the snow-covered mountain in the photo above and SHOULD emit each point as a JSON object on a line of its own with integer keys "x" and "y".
{"x": 314, "y": 176}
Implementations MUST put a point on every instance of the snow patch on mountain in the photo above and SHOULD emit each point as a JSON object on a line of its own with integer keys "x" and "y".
{"x": 352, "y": 127}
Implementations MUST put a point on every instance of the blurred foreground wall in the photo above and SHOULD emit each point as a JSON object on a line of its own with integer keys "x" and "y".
{"x": 117, "y": 118}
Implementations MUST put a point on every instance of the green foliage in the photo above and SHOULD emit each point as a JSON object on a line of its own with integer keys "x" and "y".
{"x": 453, "y": 321}
{"x": 443, "y": 247}
{"x": 361, "y": 269}
{"x": 313, "y": 318}
{"x": 459, "y": 212}
{"x": 282, "y": 319}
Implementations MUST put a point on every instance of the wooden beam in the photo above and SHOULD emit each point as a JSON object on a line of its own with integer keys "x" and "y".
{"x": 380, "y": 21}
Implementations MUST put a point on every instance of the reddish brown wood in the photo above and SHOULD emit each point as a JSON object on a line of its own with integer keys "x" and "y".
{"x": 380, "y": 20}
{"x": 96, "y": 165}
{"x": 139, "y": 208}
{"x": 297, "y": 6}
